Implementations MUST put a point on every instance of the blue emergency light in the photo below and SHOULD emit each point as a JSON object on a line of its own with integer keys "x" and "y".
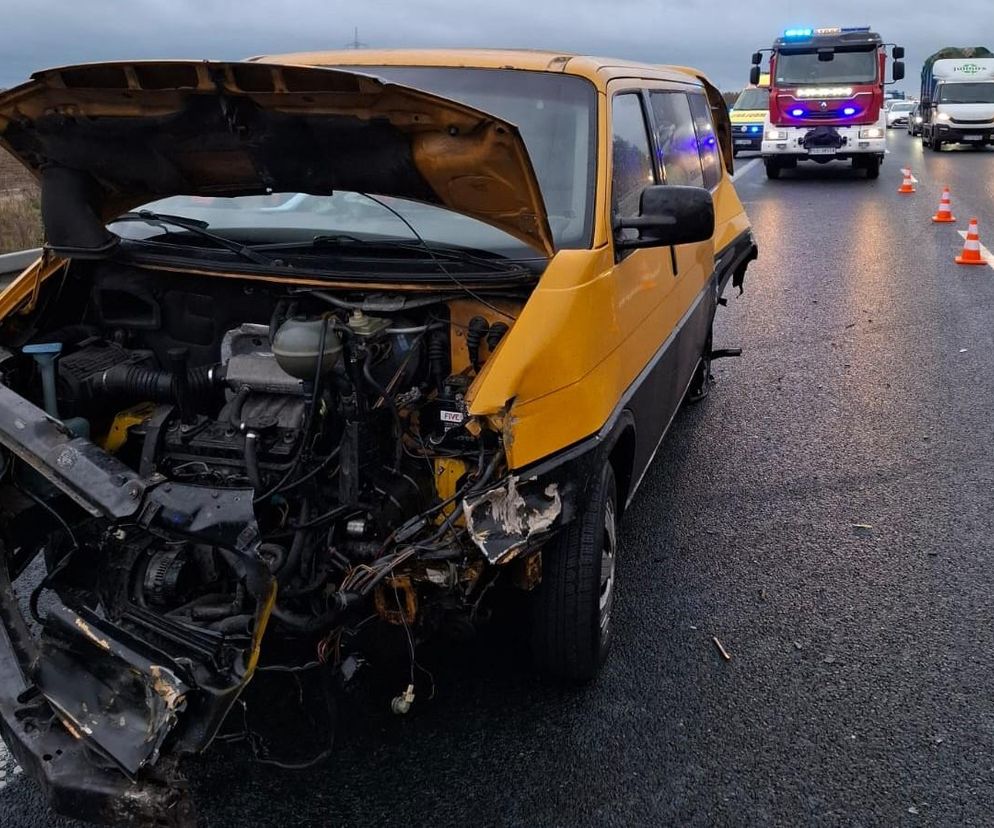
{"x": 829, "y": 30}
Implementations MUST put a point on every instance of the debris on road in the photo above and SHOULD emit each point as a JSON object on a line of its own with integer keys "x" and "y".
{"x": 724, "y": 653}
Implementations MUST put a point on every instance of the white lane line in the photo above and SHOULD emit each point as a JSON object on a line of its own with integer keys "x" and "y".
{"x": 985, "y": 254}
{"x": 746, "y": 169}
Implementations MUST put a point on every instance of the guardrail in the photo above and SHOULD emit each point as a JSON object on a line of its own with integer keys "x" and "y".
{"x": 11, "y": 264}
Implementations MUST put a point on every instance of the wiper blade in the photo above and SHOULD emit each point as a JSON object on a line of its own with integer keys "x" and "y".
{"x": 197, "y": 228}
{"x": 437, "y": 254}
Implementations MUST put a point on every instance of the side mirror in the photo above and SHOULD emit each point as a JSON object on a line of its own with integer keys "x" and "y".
{"x": 754, "y": 76}
{"x": 897, "y": 52}
{"x": 757, "y": 58}
{"x": 898, "y": 70}
{"x": 669, "y": 215}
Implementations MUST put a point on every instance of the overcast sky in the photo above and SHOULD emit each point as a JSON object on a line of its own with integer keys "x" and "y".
{"x": 716, "y": 36}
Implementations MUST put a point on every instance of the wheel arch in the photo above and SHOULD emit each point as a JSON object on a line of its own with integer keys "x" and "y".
{"x": 621, "y": 456}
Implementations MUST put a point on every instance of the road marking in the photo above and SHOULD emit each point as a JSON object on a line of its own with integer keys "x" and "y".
{"x": 746, "y": 168}
{"x": 985, "y": 254}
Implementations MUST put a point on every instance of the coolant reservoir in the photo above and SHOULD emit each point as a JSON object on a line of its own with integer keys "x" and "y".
{"x": 296, "y": 345}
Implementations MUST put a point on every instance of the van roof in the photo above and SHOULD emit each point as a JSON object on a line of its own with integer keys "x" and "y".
{"x": 596, "y": 69}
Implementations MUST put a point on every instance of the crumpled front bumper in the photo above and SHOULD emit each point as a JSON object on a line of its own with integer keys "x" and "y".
{"x": 75, "y": 780}
{"x": 98, "y": 706}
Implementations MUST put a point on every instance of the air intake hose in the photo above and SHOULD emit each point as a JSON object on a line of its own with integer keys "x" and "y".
{"x": 141, "y": 384}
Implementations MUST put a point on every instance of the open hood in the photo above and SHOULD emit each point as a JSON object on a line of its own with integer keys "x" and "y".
{"x": 104, "y": 138}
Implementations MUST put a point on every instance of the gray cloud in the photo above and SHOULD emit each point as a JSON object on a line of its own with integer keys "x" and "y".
{"x": 716, "y": 37}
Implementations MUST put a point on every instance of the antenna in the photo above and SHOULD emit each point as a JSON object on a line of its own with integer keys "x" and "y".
{"x": 354, "y": 43}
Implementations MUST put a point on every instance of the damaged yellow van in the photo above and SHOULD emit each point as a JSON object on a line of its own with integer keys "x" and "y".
{"x": 324, "y": 339}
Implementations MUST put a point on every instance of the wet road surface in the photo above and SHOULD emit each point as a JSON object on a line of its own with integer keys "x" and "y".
{"x": 827, "y": 514}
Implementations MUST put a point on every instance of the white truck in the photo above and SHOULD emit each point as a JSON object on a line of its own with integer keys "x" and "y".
{"x": 957, "y": 98}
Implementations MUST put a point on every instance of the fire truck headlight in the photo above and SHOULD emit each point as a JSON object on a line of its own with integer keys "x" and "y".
{"x": 871, "y": 132}
{"x": 776, "y": 135}
{"x": 918, "y": 119}
{"x": 943, "y": 116}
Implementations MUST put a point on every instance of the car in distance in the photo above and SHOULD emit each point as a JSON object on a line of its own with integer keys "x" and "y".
{"x": 322, "y": 340}
{"x": 897, "y": 115}
{"x": 915, "y": 120}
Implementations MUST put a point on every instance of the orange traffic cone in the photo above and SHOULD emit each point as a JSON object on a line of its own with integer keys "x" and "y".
{"x": 945, "y": 212}
{"x": 971, "y": 249}
{"x": 908, "y": 185}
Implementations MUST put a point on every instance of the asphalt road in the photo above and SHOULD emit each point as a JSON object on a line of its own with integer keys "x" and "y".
{"x": 826, "y": 513}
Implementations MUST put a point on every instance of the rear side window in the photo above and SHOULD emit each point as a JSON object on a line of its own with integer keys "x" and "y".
{"x": 676, "y": 139}
{"x": 631, "y": 168}
{"x": 707, "y": 140}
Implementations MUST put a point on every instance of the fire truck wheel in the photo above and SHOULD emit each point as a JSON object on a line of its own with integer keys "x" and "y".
{"x": 773, "y": 169}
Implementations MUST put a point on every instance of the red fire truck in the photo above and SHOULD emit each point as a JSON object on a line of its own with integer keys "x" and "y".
{"x": 827, "y": 98}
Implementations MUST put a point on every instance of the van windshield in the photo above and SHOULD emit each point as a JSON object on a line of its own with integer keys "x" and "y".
{"x": 851, "y": 66}
{"x": 966, "y": 93}
{"x": 557, "y": 117}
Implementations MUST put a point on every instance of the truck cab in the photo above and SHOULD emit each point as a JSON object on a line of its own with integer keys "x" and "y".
{"x": 958, "y": 102}
{"x": 827, "y": 98}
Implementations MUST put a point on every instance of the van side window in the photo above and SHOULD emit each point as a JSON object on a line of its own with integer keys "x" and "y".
{"x": 676, "y": 139}
{"x": 707, "y": 140}
{"x": 631, "y": 167}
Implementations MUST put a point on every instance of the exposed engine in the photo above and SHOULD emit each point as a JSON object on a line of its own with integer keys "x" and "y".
{"x": 291, "y": 459}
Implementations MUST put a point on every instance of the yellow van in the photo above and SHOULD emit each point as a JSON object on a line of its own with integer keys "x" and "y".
{"x": 748, "y": 116}
{"x": 323, "y": 339}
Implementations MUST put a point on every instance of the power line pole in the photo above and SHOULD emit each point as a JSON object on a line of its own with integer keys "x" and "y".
{"x": 355, "y": 44}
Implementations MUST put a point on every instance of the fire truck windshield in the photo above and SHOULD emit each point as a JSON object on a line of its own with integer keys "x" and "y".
{"x": 851, "y": 66}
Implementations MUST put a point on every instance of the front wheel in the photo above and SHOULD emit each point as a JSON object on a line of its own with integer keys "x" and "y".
{"x": 571, "y": 624}
{"x": 936, "y": 145}
{"x": 872, "y": 167}
{"x": 773, "y": 169}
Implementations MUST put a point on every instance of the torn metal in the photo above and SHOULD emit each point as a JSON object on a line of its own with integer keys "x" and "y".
{"x": 508, "y": 518}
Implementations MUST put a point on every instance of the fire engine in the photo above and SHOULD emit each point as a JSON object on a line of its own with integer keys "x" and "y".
{"x": 827, "y": 98}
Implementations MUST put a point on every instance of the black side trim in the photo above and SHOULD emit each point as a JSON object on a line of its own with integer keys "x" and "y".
{"x": 730, "y": 261}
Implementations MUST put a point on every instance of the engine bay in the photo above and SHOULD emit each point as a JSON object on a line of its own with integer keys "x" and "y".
{"x": 245, "y": 458}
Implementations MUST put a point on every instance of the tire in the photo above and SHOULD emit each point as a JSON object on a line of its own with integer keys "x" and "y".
{"x": 773, "y": 169}
{"x": 935, "y": 145}
{"x": 872, "y": 168}
{"x": 571, "y": 622}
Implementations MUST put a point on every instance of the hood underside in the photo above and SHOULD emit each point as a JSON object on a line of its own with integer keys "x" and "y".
{"x": 105, "y": 138}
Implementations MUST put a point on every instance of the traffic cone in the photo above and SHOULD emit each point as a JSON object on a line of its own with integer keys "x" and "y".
{"x": 971, "y": 249}
{"x": 908, "y": 185}
{"x": 945, "y": 212}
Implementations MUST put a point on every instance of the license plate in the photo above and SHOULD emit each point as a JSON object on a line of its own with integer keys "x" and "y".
{"x": 739, "y": 142}
{"x": 973, "y": 137}
{"x": 821, "y": 151}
